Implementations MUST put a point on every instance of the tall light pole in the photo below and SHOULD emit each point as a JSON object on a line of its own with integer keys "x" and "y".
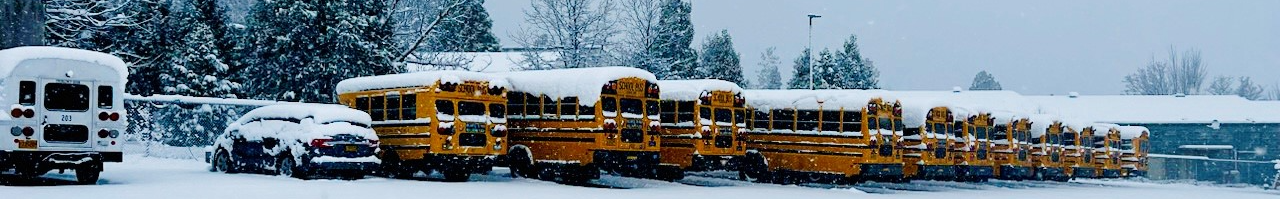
{"x": 808, "y": 51}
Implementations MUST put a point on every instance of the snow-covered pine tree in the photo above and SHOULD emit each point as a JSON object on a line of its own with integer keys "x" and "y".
{"x": 300, "y": 55}
{"x": 467, "y": 30}
{"x": 24, "y": 23}
{"x": 800, "y": 78}
{"x": 673, "y": 50}
{"x": 826, "y": 70}
{"x": 195, "y": 68}
{"x": 854, "y": 71}
{"x": 768, "y": 77}
{"x": 720, "y": 60}
{"x": 984, "y": 81}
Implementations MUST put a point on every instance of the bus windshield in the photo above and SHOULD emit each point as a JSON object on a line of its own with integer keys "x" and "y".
{"x": 470, "y": 108}
{"x": 632, "y": 106}
{"x": 724, "y": 115}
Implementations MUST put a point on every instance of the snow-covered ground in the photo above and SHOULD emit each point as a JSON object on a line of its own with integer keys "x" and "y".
{"x": 157, "y": 177}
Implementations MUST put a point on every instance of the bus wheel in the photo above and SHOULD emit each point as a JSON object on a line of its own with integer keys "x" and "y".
{"x": 393, "y": 167}
{"x": 754, "y": 169}
{"x": 518, "y": 160}
{"x": 88, "y": 173}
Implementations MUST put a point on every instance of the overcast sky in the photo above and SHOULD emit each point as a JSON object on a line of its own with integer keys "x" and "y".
{"x": 1033, "y": 47}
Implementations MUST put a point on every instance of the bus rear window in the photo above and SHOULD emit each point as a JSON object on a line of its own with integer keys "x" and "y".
{"x": 497, "y": 110}
{"x": 66, "y": 97}
{"x": 632, "y": 106}
{"x": 27, "y": 93}
{"x": 105, "y": 97}
{"x": 470, "y": 108}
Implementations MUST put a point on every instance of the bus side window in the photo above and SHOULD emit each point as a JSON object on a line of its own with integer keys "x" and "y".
{"x": 378, "y": 110}
{"x": 497, "y": 110}
{"x": 739, "y": 117}
{"x": 586, "y": 112}
{"x": 831, "y": 121}
{"x": 852, "y": 121}
{"x": 569, "y": 108}
{"x": 515, "y": 102}
{"x": 549, "y": 107}
{"x": 533, "y": 107}
{"x": 105, "y": 97}
{"x": 684, "y": 112}
{"x": 393, "y": 107}
{"x": 362, "y": 104}
{"x": 761, "y": 120}
{"x": 784, "y": 119}
{"x": 27, "y": 93}
{"x": 704, "y": 114}
{"x": 409, "y": 106}
{"x": 668, "y": 112}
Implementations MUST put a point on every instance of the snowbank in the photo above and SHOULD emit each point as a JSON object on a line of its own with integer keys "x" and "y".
{"x": 688, "y": 90}
{"x": 417, "y": 79}
{"x": 584, "y": 83}
{"x": 11, "y": 58}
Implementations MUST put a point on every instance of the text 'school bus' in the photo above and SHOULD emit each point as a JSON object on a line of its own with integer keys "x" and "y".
{"x": 65, "y": 111}
{"x": 568, "y": 124}
{"x": 1106, "y": 151}
{"x": 823, "y": 136}
{"x": 447, "y": 121}
{"x": 1078, "y": 149}
{"x": 701, "y": 124}
{"x": 1012, "y": 150}
{"x": 1134, "y": 148}
{"x": 1047, "y": 148}
{"x": 931, "y": 132}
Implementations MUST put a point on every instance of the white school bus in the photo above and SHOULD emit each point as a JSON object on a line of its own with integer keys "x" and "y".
{"x": 65, "y": 110}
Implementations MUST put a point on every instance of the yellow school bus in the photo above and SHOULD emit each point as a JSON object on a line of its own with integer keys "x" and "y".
{"x": 926, "y": 145}
{"x": 701, "y": 121}
{"x": 1106, "y": 151}
{"x": 569, "y": 124}
{"x": 1078, "y": 150}
{"x": 1046, "y": 148}
{"x": 447, "y": 121}
{"x": 1133, "y": 149}
{"x": 823, "y": 136}
{"x": 976, "y": 162}
{"x": 1012, "y": 149}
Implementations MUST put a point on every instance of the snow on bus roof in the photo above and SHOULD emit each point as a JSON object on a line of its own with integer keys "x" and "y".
{"x": 416, "y": 79}
{"x": 321, "y": 113}
{"x": 1130, "y": 132}
{"x": 1002, "y": 105}
{"x": 809, "y": 99}
{"x": 692, "y": 89}
{"x": 1040, "y": 123}
{"x": 584, "y": 83}
{"x": 12, "y": 57}
{"x": 1102, "y": 129}
{"x": 1148, "y": 109}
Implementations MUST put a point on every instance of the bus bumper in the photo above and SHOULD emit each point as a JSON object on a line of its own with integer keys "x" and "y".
{"x": 1110, "y": 173}
{"x": 39, "y": 162}
{"x": 937, "y": 172}
{"x": 881, "y": 171}
{"x": 715, "y": 162}
{"x": 975, "y": 172}
{"x": 1083, "y": 172}
{"x": 624, "y": 160}
{"x": 1014, "y": 172}
{"x": 470, "y": 163}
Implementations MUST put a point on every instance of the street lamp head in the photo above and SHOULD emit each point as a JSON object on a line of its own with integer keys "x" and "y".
{"x": 811, "y": 15}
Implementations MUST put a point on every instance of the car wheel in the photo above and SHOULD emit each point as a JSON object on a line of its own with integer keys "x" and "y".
{"x": 286, "y": 166}
{"x": 88, "y": 173}
{"x": 221, "y": 162}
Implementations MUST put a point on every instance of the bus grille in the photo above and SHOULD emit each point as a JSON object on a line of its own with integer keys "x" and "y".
{"x": 472, "y": 139}
{"x": 66, "y": 133}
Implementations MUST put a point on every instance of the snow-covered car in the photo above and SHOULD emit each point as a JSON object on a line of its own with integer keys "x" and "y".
{"x": 298, "y": 141}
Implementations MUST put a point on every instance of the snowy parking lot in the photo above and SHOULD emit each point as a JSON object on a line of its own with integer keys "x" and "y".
{"x": 154, "y": 177}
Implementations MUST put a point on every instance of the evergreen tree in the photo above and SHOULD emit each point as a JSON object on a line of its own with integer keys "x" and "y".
{"x": 672, "y": 51}
{"x": 299, "y": 55}
{"x": 467, "y": 30}
{"x": 853, "y": 70}
{"x": 768, "y": 77}
{"x": 720, "y": 60}
{"x": 800, "y": 78}
{"x": 985, "y": 82}
{"x": 826, "y": 70}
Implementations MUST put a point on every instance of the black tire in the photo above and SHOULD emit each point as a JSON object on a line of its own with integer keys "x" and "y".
{"x": 222, "y": 163}
{"x": 520, "y": 164}
{"x": 456, "y": 175}
{"x": 287, "y": 166}
{"x": 88, "y": 173}
{"x": 755, "y": 169}
{"x": 393, "y": 167}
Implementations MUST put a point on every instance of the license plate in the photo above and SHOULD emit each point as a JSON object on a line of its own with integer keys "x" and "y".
{"x": 632, "y": 157}
{"x": 351, "y": 148}
{"x": 27, "y": 144}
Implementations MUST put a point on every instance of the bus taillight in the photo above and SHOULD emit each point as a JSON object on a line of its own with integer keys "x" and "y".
{"x": 16, "y": 113}
{"x": 28, "y": 131}
{"x": 29, "y": 113}
{"x": 115, "y": 116}
{"x": 103, "y": 133}
{"x": 103, "y": 116}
